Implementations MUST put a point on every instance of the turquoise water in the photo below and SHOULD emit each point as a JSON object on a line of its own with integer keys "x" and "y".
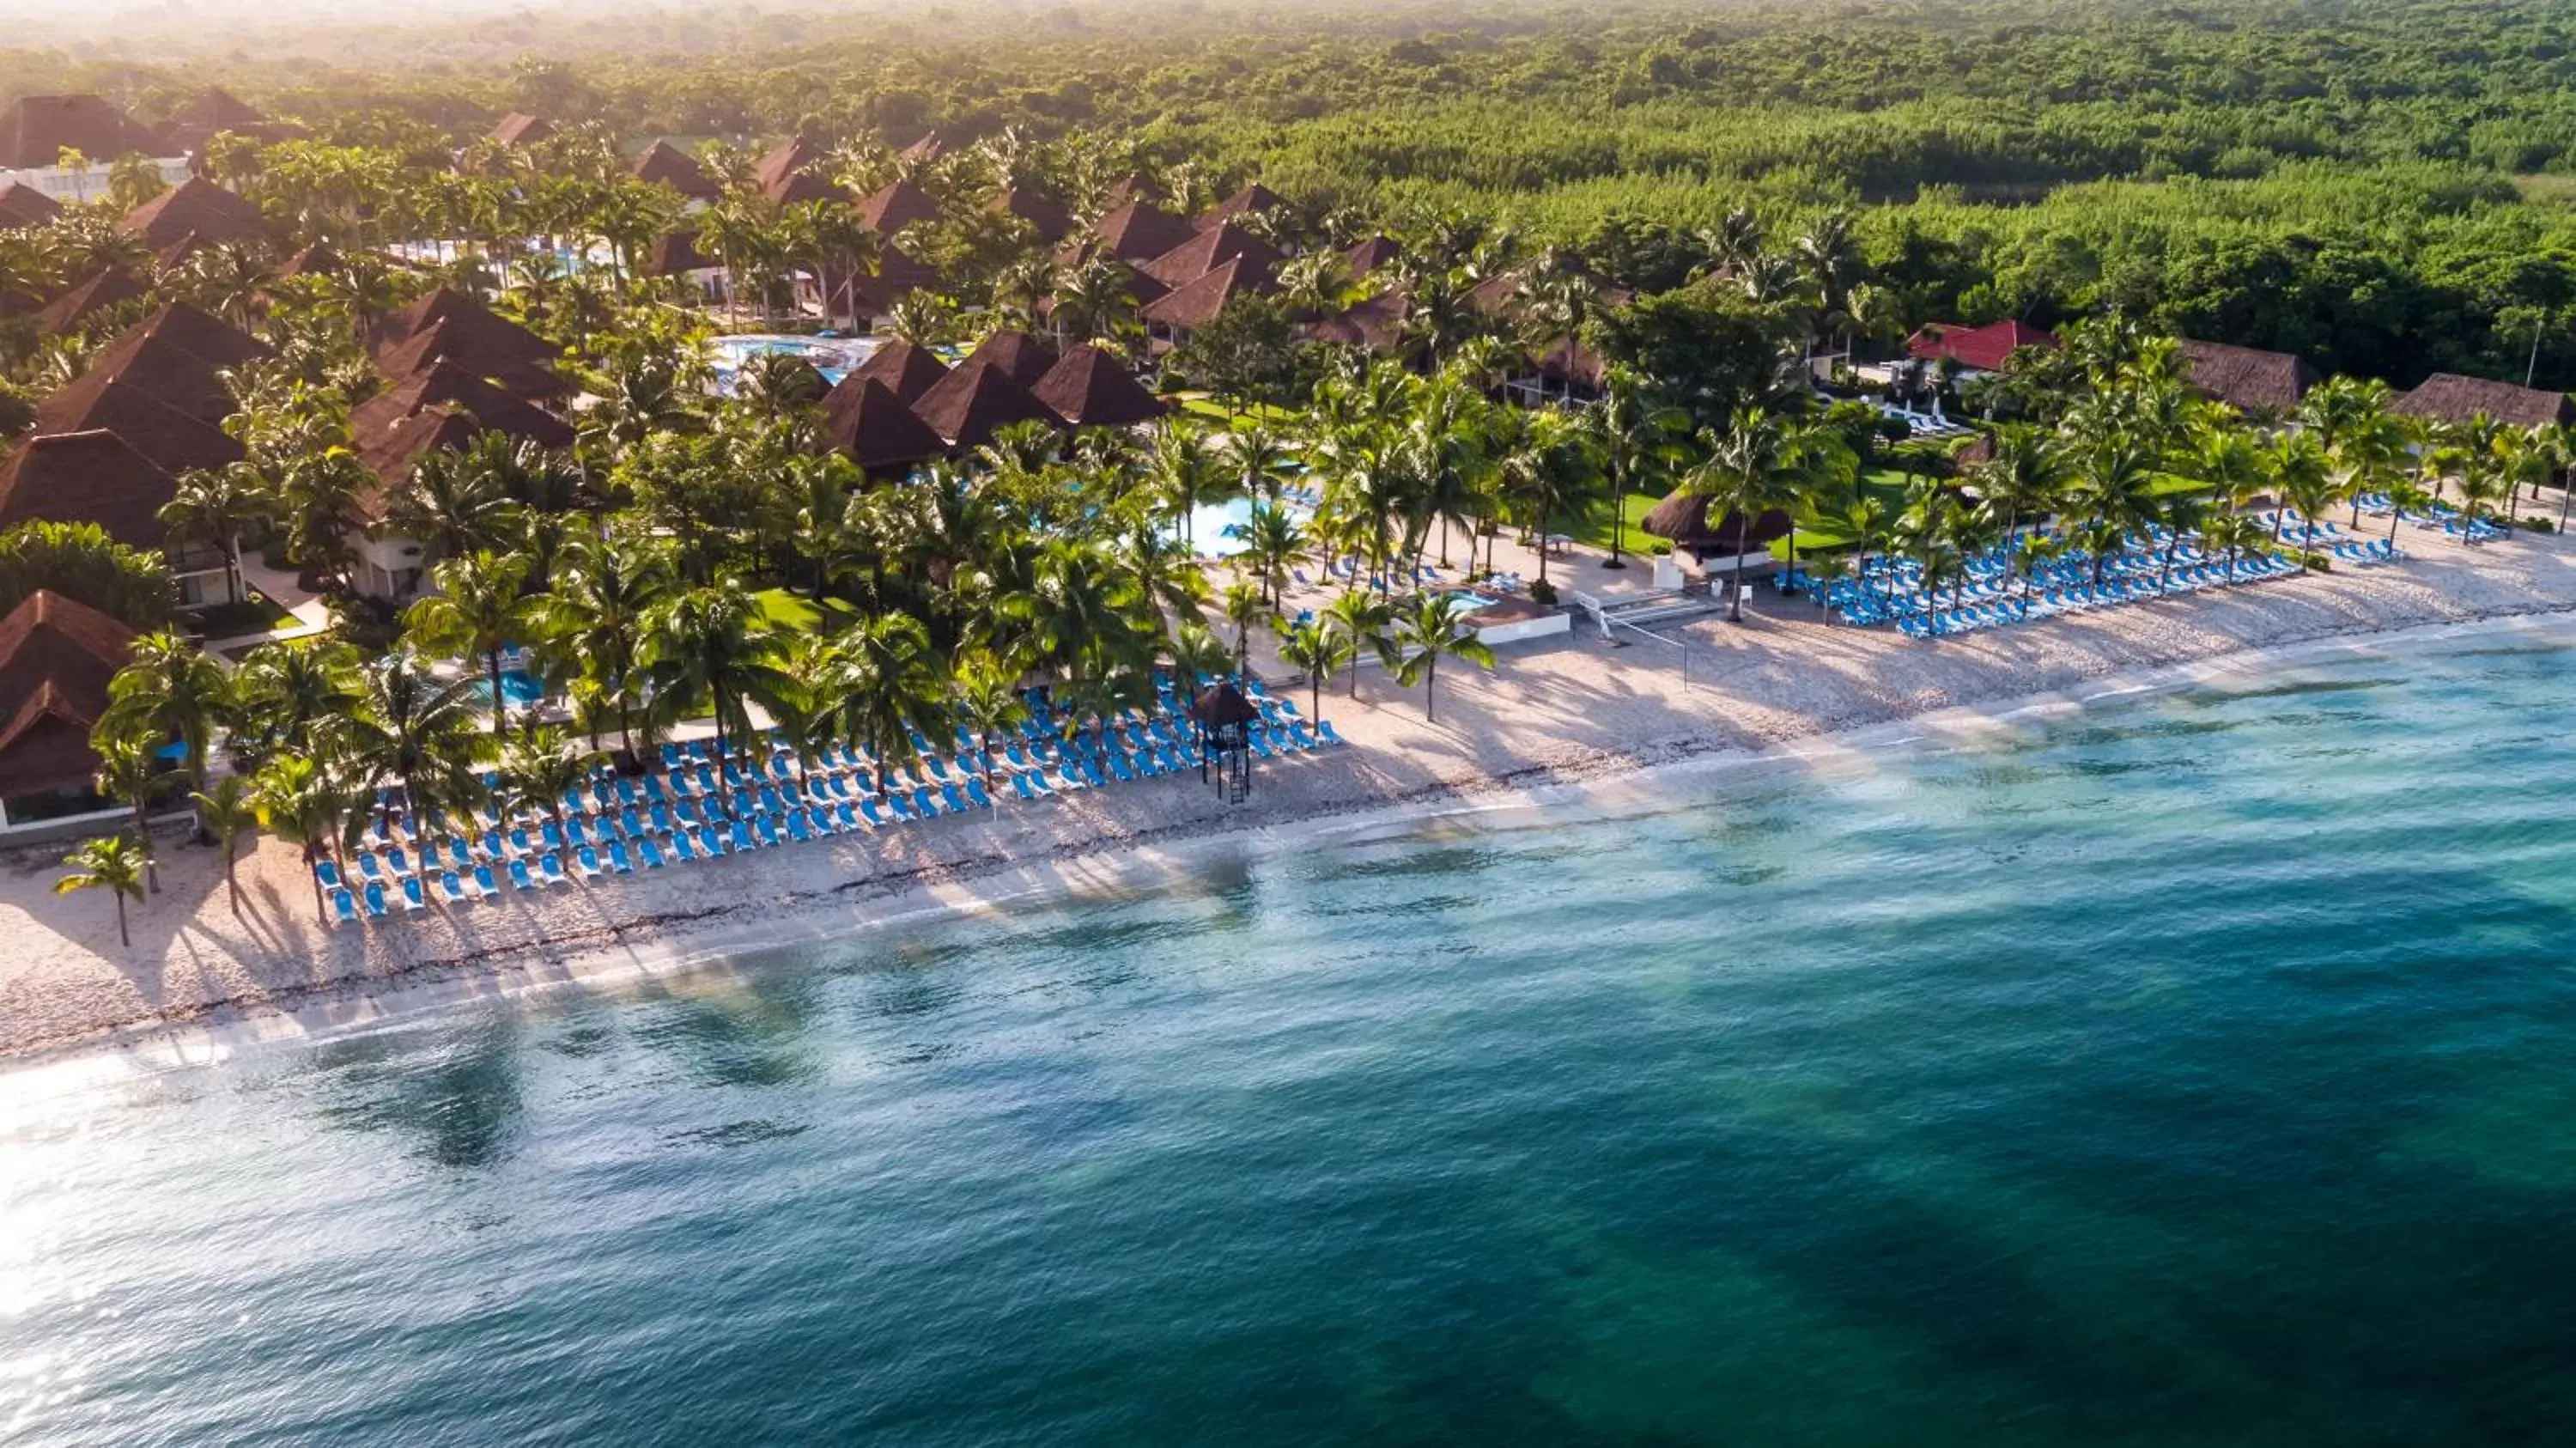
{"x": 2197, "y": 1070}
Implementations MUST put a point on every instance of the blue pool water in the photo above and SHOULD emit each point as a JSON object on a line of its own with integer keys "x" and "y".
{"x": 518, "y": 689}
{"x": 2199, "y": 1069}
{"x": 833, "y": 357}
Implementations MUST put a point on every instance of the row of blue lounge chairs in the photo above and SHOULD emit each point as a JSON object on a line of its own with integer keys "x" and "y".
{"x": 702, "y": 806}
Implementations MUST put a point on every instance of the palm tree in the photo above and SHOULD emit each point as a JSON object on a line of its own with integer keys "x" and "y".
{"x": 297, "y": 796}
{"x": 293, "y": 695}
{"x": 715, "y": 643}
{"x": 1083, "y": 616}
{"x": 1550, "y": 473}
{"x": 452, "y": 503}
{"x": 115, "y": 864}
{"x": 1272, "y": 543}
{"x": 1749, "y": 470}
{"x": 539, "y": 766}
{"x": 1317, "y": 651}
{"x": 2297, "y": 465}
{"x": 1640, "y": 437}
{"x": 1188, "y": 475}
{"x": 170, "y": 689}
{"x": 480, "y": 609}
{"x": 984, "y": 696}
{"x": 1362, "y": 620}
{"x": 889, "y": 684}
{"x": 225, "y": 812}
{"x": 1433, "y": 627}
{"x": 595, "y": 617}
{"x": 2233, "y": 534}
{"x": 420, "y": 731}
{"x": 1244, "y": 606}
{"x": 214, "y": 506}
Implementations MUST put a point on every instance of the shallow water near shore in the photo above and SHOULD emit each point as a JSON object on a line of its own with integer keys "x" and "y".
{"x": 2200, "y": 1067}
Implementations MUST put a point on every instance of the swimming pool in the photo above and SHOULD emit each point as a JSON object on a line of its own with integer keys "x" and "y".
{"x": 519, "y": 689}
{"x": 834, "y": 357}
{"x": 1217, "y": 530}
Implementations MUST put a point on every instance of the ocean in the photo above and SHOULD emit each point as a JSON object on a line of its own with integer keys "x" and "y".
{"x": 2195, "y": 1068}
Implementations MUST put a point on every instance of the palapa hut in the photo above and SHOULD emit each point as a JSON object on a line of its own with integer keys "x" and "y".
{"x": 863, "y": 418}
{"x": 1089, "y": 388}
{"x": 970, "y": 404}
{"x": 1023, "y": 358}
{"x": 903, "y": 368}
{"x": 1225, "y": 719}
{"x": 2450, "y": 397}
{"x": 1683, "y": 517}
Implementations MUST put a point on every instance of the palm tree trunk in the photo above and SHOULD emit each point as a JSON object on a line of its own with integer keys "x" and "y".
{"x": 1743, "y": 531}
{"x": 500, "y": 703}
{"x": 122, "y": 937}
{"x": 1430, "y": 685}
{"x": 320, "y": 912}
{"x": 232, "y": 884}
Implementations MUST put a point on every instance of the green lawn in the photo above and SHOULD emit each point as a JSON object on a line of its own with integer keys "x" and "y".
{"x": 1595, "y": 530}
{"x": 1199, "y": 404}
{"x": 258, "y": 613}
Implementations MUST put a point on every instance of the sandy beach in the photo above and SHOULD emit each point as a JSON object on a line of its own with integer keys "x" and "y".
{"x": 1566, "y": 711}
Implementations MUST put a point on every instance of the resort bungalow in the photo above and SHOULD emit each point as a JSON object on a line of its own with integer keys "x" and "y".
{"x": 976, "y": 400}
{"x": 1089, "y": 388}
{"x": 2253, "y": 382}
{"x": 902, "y": 368}
{"x": 22, "y": 205}
{"x": 1170, "y": 319}
{"x": 1253, "y": 200}
{"x": 1049, "y": 222}
{"x": 1135, "y": 232}
{"x": 1208, "y": 250}
{"x": 864, "y": 301}
{"x": 97, "y": 477}
{"x": 213, "y": 112}
{"x": 40, "y": 132}
{"x": 518, "y": 128}
{"x": 863, "y": 418}
{"x": 1974, "y": 350}
{"x": 112, "y": 287}
{"x": 791, "y": 157}
{"x": 196, "y": 211}
{"x": 449, "y": 326}
{"x": 675, "y": 256}
{"x": 177, "y": 357}
{"x": 1022, "y": 358}
{"x": 892, "y": 208}
{"x": 1562, "y": 371}
{"x": 664, "y": 164}
{"x": 56, "y": 658}
{"x": 2449, "y": 397}
{"x": 442, "y": 408}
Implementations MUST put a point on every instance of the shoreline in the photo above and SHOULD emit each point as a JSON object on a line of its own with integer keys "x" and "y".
{"x": 382, "y": 976}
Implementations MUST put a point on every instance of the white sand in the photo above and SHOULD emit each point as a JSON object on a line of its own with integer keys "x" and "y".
{"x": 1568, "y": 711}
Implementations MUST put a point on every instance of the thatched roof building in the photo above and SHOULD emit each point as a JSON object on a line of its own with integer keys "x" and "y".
{"x": 2450, "y": 397}
{"x": 36, "y": 130}
{"x": 1194, "y": 306}
{"x": 1208, "y": 250}
{"x": 57, "y": 656}
{"x": 892, "y": 208}
{"x": 1022, "y": 358}
{"x": 196, "y": 208}
{"x": 664, "y": 164}
{"x": 865, "y": 419}
{"x": 24, "y": 205}
{"x": 518, "y": 128}
{"x": 86, "y": 477}
{"x": 970, "y": 404}
{"x": 2248, "y": 379}
{"x": 1089, "y": 388}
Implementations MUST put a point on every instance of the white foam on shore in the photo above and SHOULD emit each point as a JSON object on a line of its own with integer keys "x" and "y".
{"x": 364, "y": 1007}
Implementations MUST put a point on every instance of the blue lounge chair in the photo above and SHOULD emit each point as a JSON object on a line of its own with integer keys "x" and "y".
{"x": 484, "y": 884}
{"x": 413, "y": 900}
{"x": 1020, "y": 787}
{"x": 848, "y": 817}
{"x": 651, "y": 853}
{"x": 458, "y": 855}
{"x": 550, "y": 867}
{"x": 1325, "y": 728}
{"x": 586, "y": 860}
{"x": 375, "y": 898}
{"x": 618, "y": 860}
{"x": 955, "y": 801}
{"x": 344, "y": 907}
{"x": 868, "y": 811}
{"x": 519, "y": 878}
{"x": 798, "y": 830}
{"x": 742, "y": 839}
{"x": 329, "y": 874}
{"x": 1118, "y": 766}
{"x": 975, "y": 791}
{"x": 900, "y": 808}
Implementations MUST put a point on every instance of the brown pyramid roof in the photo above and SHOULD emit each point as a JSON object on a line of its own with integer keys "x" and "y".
{"x": 448, "y": 385}
{"x": 864, "y": 418}
{"x": 391, "y": 448}
{"x": 798, "y": 187}
{"x": 1221, "y": 705}
{"x": 489, "y": 329}
{"x": 1051, "y": 222}
{"x": 518, "y": 128}
{"x": 457, "y": 342}
{"x": 24, "y": 205}
{"x": 1376, "y": 323}
{"x": 313, "y": 260}
{"x": 107, "y": 289}
{"x": 86, "y": 477}
{"x": 201, "y": 335}
{"x": 1252, "y": 198}
{"x": 1090, "y": 389}
{"x": 786, "y": 159}
{"x": 1199, "y": 303}
{"x": 57, "y": 656}
{"x": 667, "y": 165}
{"x": 1132, "y": 187}
{"x": 196, "y": 207}
{"x": 896, "y": 274}
{"x": 2450, "y": 397}
{"x": 217, "y": 109}
{"x": 925, "y": 150}
{"x": 1369, "y": 255}
{"x": 970, "y": 404}
{"x": 35, "y": 131}
{"x": 676, "y": 254}
{"x": 1139, "y": 232}
{"x": 897, "y": 206}
{"x": 1208, "y": 250}
{"x": 103, "y": 400}
{"x": 902, "y": 368}
{"x": 1023, "y": 358}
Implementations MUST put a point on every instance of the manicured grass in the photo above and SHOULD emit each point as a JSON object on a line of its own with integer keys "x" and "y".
{"x": 1595, "y": 530}
{"x": 1199, "y": 404}
{"x": 257, "y": 613}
